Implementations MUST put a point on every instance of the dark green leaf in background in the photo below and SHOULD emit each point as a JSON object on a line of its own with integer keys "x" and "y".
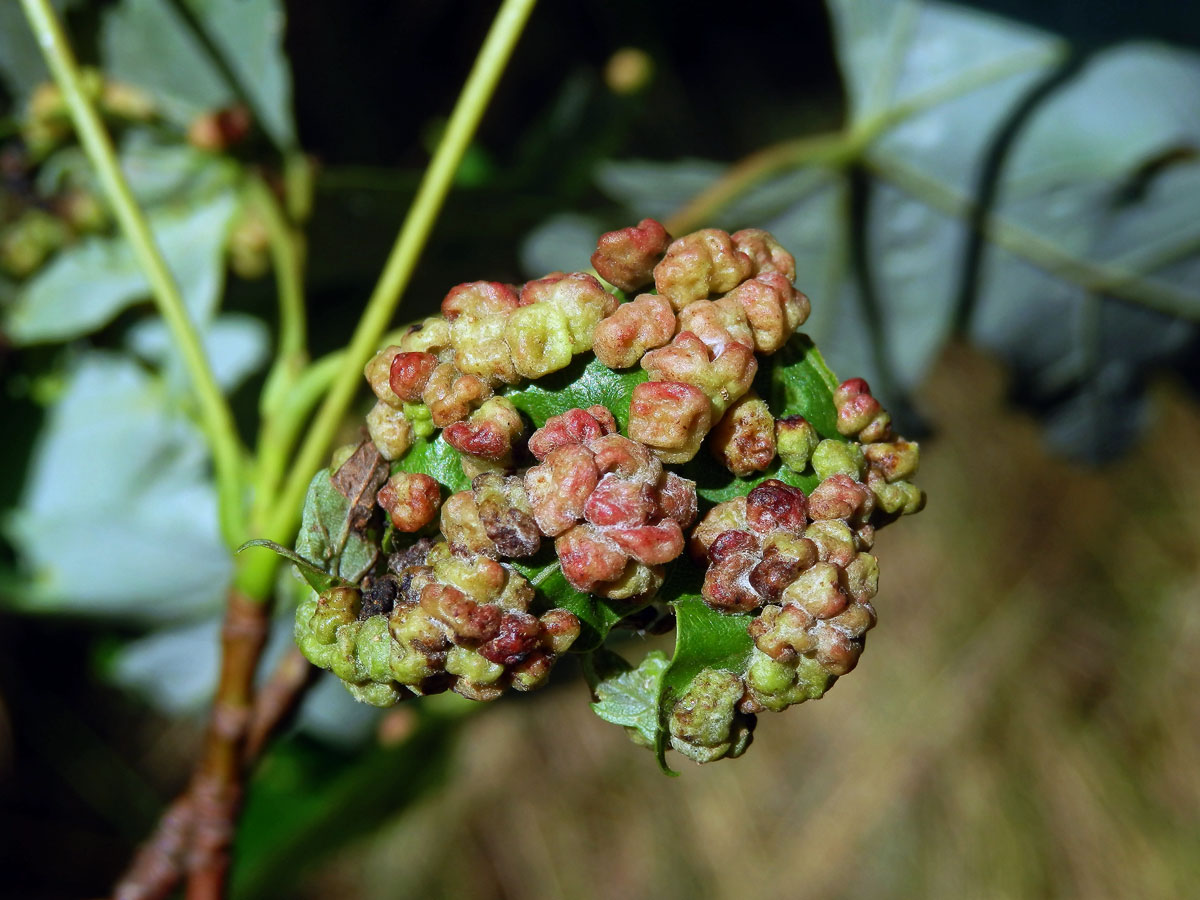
{"x": 991, "y": 182}
{"x": 21, "y": 61}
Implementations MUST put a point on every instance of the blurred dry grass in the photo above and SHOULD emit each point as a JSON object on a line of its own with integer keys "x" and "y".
{"x": 1025, "y": 723}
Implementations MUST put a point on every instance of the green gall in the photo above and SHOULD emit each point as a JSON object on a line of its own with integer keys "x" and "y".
{"x": 333, "y": 609}
{"x": 832, "y": 457}
{"x": 420, "y": 418}
{"x": 795, "y": 440}
{"x": 378, "y": 372}
{"x": 778, "y": 685}
{"x": 539, "y": 338}
{"x": 480, "y": 348}
{"x": 862, "y": 577}
{"x": 373, "y": 650}
{"x": 390, "y": 431}
{"x": 470, "y": 665}
{"x": 900, "y": 497}
{"x": 704, "y": 723}
{"x": 894, "y": 460}
{"x": 373, "y": 694}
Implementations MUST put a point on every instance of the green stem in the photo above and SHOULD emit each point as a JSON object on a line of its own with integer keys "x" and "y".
{"x": 490, "y": 63}
{"x": 281, "y": 429}
{"x": 216, "y": 418}
{"x": 832, "y": 150}
{"x": 287, "y": 256}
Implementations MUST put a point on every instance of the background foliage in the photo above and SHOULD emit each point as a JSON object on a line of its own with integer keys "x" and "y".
{"x": 983, "y": 210}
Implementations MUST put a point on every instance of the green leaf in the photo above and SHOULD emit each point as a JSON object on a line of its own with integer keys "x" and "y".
{"x": 704, "y": 639}
{"x": 432, "y": 456}
{"x": 582, "y": 384}
{"x": 85, "y": 286}
{"x": 802, "y": 384}
{"x": 328, "y": 537}
{"x": 318, "y": 579}
{"x": 228, "y": 48}
{"x": 716, "y": 485}
{"x": 628, "y": 696}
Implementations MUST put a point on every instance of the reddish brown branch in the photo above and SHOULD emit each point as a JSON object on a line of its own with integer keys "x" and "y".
{"x": 276, "y": 701}
{"x": 195, "y": 833}
{"x": 156, "y": 867}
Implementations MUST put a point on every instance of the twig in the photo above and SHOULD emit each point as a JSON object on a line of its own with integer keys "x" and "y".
{"x": 217, "y": 788}
{"x": 276, "y": 701}
{"x": 157, "y": 866}
{"x": 160, "y": 862}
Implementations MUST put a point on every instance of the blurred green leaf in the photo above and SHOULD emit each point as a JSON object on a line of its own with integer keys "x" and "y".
{"x": 219, "y": 50}
{"x": 21, "y": 61}
{"x": 87, "y": 284}
{"x": 118, "y": 516}
{"x": 559, "y": 244}
{"x": 236, "y": 346}
{"x": 307, "y": 802}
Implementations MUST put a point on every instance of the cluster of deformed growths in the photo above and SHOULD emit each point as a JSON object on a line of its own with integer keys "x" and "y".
{"x": 463, "y": 561}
